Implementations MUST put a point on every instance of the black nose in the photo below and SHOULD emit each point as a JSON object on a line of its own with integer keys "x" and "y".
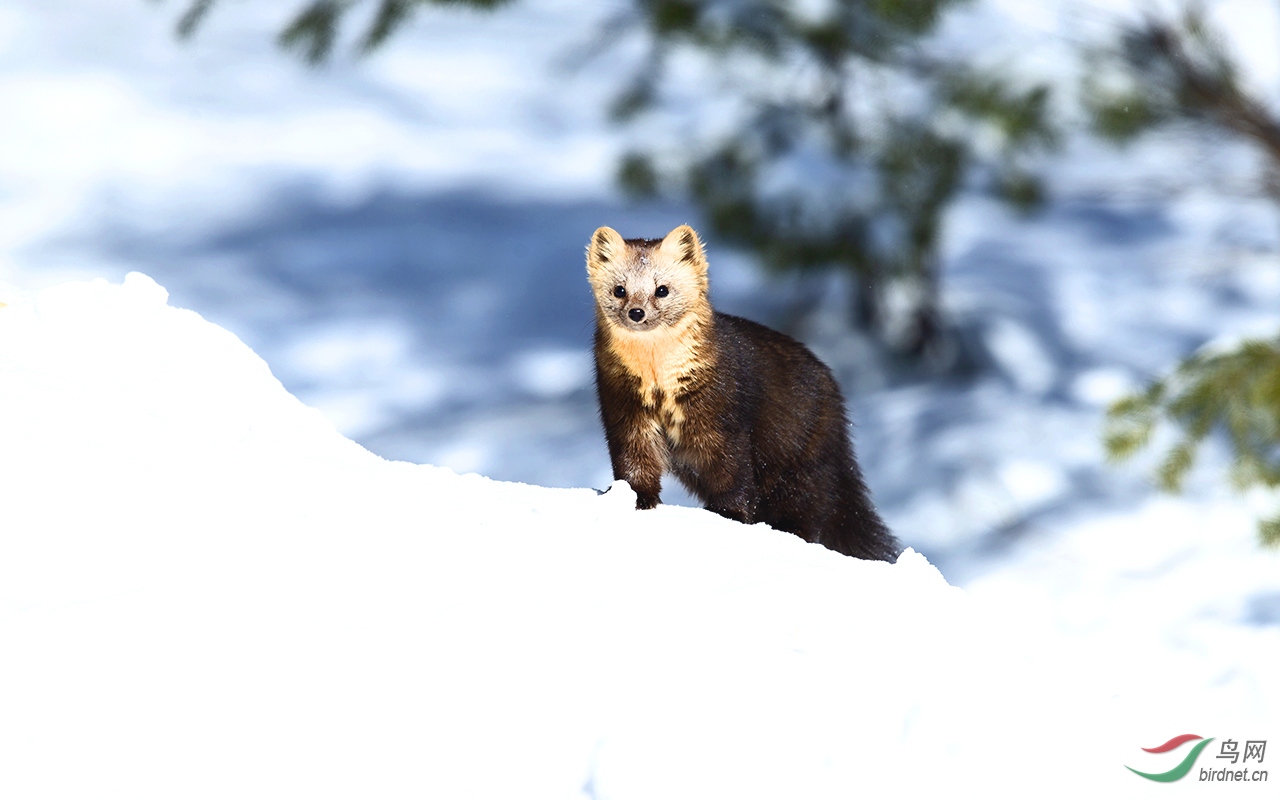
{"x": 636, "y": 314}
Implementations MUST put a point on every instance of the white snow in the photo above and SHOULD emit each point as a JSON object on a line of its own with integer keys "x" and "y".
{"x": 554, "y": 373}
{"x": 206, "y": 591}
{"x": 1020, "y": 355}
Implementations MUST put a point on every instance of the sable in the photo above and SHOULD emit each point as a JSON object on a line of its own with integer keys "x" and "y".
{"x": 747, "y": 418}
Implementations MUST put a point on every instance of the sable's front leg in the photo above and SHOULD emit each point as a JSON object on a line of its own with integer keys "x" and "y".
{"x": 639, "y": 459}
{"x": 637, "y": 447}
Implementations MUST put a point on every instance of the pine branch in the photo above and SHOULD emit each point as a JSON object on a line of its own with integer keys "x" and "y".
{"x": 390, "y": 16}
{"x": 1236, "y": 392}
{"x": 1208, "y": 84}
{"x": 313, "y": 31}
{"x": 193, "y": 17}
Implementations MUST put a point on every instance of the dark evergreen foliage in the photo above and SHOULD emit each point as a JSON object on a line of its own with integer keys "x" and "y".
{"x": 1237, "y": 391}
{"x": 314, "y": 29}
{"x": 1181, "y": 72}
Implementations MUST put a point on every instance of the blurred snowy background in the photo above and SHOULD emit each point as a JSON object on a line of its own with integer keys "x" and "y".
{"x": 401, "y": 238}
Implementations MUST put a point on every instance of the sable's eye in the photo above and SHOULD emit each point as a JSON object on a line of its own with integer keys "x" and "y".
{"x": 661, "y": 292}
{"x": 618, "y": 291}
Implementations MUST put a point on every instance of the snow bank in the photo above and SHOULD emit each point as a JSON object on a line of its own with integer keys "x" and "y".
{"x": 206, "y": 591}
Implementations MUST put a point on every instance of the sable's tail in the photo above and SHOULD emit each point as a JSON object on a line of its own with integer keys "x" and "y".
{"x": 863, "y": 533}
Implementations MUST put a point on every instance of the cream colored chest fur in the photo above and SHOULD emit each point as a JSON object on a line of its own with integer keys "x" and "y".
{"x": 660, "y": 359}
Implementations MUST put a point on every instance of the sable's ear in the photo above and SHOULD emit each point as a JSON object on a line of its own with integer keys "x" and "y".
{"x": 683, "y": 246}
{"x": 605, "y": 248}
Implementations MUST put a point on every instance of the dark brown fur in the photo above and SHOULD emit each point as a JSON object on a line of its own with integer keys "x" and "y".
{"x": 747, "y": 418}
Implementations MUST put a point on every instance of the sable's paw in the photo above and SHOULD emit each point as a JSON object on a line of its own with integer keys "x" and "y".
{"x": 645, "y": 502}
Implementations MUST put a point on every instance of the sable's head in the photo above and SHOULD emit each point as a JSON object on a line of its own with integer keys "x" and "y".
{"x": 647, "y": 284}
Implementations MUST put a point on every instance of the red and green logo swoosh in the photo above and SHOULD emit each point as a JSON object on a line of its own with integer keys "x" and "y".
{"x": 1182, "y": 768}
